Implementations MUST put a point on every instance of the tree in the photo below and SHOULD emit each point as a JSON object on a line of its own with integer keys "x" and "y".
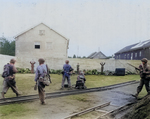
{"x": 7, "y": 47}
{"x": 69, "y": 57}
{"x": 84, "y": 57}
{"x": 74, "y": 56}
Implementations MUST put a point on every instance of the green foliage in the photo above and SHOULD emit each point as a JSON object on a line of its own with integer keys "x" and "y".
{"x": 69, "y": 57}
{"x": 7, "y": 47}
{"x": 84, "y": 57}
{"x": 74, "y": 56}
{"x": 91, "y": 72}
{"x": 22, "y": 70}
{"x": 52, "y": 71}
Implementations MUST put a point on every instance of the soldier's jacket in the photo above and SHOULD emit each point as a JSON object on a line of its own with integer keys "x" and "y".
{"x": 144, "y": 71}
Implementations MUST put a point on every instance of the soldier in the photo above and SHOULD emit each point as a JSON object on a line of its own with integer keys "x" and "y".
{"x": 9, "y": 78}
{"x": 145, "y": 76}
{"x": 40, "y": 70}
{"x": 66, "y": 74}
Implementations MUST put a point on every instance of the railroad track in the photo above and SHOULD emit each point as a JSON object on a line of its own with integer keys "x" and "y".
{"x": 63, "y": 93}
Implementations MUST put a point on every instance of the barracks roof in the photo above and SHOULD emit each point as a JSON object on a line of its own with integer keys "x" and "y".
{"x": 97, "y": 55}
{"x": 135, "y": 46}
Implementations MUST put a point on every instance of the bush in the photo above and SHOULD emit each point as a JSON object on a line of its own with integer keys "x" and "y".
{"x": 22, "y": 70}
{"x": 52, "y": 71}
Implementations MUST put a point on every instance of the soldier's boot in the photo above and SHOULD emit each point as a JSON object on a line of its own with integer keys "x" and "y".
{"x": 2, "y": 93}
{"x": 18, "y": 94}
{"x": 136, "y": 95}
{"x": 43, "y": 103}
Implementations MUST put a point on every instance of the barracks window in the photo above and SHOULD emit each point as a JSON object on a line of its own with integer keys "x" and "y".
{"x": 37, "y": 45}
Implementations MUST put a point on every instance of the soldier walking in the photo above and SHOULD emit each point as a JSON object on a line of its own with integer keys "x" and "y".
{"x": 9, "y": 78}
{"x": 145, "y": 76}
{"x": 41, "y": 69}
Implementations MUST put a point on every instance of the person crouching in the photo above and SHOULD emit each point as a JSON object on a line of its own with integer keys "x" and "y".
{"x": 80, "y": 83}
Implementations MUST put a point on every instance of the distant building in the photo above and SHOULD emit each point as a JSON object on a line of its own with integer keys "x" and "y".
{"x": 97, "y": 55}
{"x": 41, "y": 41}
{"x": 135, "y": 51}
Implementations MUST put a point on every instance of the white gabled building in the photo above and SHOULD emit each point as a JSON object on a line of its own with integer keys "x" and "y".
{"x": 41, "y": 41}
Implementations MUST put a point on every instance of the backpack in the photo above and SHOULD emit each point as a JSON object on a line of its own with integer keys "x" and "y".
{"x": 45, "y": 78}
{"x": 6, "y": 71}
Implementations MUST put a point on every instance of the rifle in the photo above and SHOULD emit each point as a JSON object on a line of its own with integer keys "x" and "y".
{"x": 48, "y": 74}
{"x": 134, "y": 67}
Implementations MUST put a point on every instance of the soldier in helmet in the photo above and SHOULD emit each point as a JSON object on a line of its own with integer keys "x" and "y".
{"x": 145, "y": 76}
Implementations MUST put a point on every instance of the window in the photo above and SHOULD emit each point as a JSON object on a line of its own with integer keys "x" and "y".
{"x": 41, "y": 32}
{"x": 131, "y": 56}
{"x": 119, "y": 56}
{"x": 128, "y": 56}
{"x": 135, "y": 54}
{"x": 140, "y": 54}
{"x": 37, "y": 45}
{"x": 125, "y": 56}
{"x": 49, "y": 45}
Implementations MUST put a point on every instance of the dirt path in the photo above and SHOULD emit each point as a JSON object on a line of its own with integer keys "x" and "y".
{"x": 58, "y": 108}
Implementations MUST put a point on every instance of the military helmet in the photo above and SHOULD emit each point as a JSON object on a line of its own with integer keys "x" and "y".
{"x": 144, "y": 60}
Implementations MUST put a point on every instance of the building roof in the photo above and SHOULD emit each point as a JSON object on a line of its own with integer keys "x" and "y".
{"x": 91, "y": 54}
{"x": 135, "y": 46}
{"x": 37, "y": 25}
{"x": 97, "y": 55}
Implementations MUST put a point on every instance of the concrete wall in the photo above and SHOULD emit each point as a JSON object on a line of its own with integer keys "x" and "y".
{"x": 110, "y": 64}
{"x": 4, "y": 59}
{"x": 57, "y": 63}
{"x": 87, "y": 64}
{"x": 52, "y": 45}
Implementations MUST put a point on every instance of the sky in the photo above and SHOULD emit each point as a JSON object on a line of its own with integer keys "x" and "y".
{"x": 90, "y": 25}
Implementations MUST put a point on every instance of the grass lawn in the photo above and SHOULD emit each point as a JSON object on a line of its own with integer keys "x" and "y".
{"x": 25, "y": 84}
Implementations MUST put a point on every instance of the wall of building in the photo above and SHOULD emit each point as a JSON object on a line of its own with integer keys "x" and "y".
{"x": 52, "y": 44}
{"x": 4, "y": 59}
{"x": 133, "y": 55}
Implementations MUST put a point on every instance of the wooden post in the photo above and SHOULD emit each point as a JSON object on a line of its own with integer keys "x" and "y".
{"x": 32, "y": 66}
{"x": 102, "y": 67}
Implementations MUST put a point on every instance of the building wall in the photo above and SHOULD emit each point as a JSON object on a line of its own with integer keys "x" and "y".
{"x": 52, "y": 45}
{"x": 134, "y": 55}
{"x": 4, "y": 60}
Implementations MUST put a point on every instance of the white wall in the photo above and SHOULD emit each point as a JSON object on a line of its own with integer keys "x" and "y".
{"x": 57, "y": 63}
{"x": 4, "y": 59}
{"x": 52, "y": 44}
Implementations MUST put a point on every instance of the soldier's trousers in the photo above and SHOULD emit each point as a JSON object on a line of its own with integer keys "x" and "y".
{"x": 68, "y": 80}
{"x": 9, "y": 83}
{"x": 41, "y": 92}
{"x": 145, "y": 82}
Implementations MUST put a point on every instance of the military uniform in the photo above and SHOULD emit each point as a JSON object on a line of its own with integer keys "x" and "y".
{"x": 66, "y": 74}
{"x": 145, "y": 77}
{"x": 9, "y": 81}
{"x": 39, "y": 71}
